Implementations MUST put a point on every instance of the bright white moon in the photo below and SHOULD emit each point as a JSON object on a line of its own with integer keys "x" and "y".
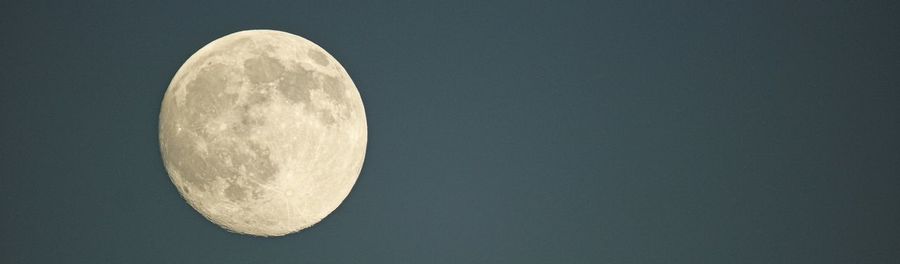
{"x": 263, "y": 132}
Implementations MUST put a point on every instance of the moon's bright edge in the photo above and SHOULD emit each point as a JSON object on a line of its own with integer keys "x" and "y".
{"x": 263, "y": 132}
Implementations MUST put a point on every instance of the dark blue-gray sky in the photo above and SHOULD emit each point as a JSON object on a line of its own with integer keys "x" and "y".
{"x": 500, "y": 132}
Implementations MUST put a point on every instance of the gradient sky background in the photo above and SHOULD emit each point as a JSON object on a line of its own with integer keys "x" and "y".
{"x": 499, "y": 132}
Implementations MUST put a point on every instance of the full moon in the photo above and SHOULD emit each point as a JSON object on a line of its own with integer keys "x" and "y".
{"x": 263, "y": 132}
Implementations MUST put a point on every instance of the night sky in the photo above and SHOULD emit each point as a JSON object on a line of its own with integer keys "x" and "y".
{"x": 499, "y": 132}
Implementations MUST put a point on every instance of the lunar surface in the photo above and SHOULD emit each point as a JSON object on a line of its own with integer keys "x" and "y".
{"x": 263, "y": 132}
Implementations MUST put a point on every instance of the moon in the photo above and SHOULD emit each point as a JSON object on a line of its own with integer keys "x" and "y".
{"x": 263, "y": 132}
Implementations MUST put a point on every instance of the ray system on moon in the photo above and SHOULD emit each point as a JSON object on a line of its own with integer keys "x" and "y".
{"x": 263, "y": 132}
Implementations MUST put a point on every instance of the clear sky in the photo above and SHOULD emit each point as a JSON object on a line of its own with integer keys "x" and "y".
{"x": 499, "y": 132}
